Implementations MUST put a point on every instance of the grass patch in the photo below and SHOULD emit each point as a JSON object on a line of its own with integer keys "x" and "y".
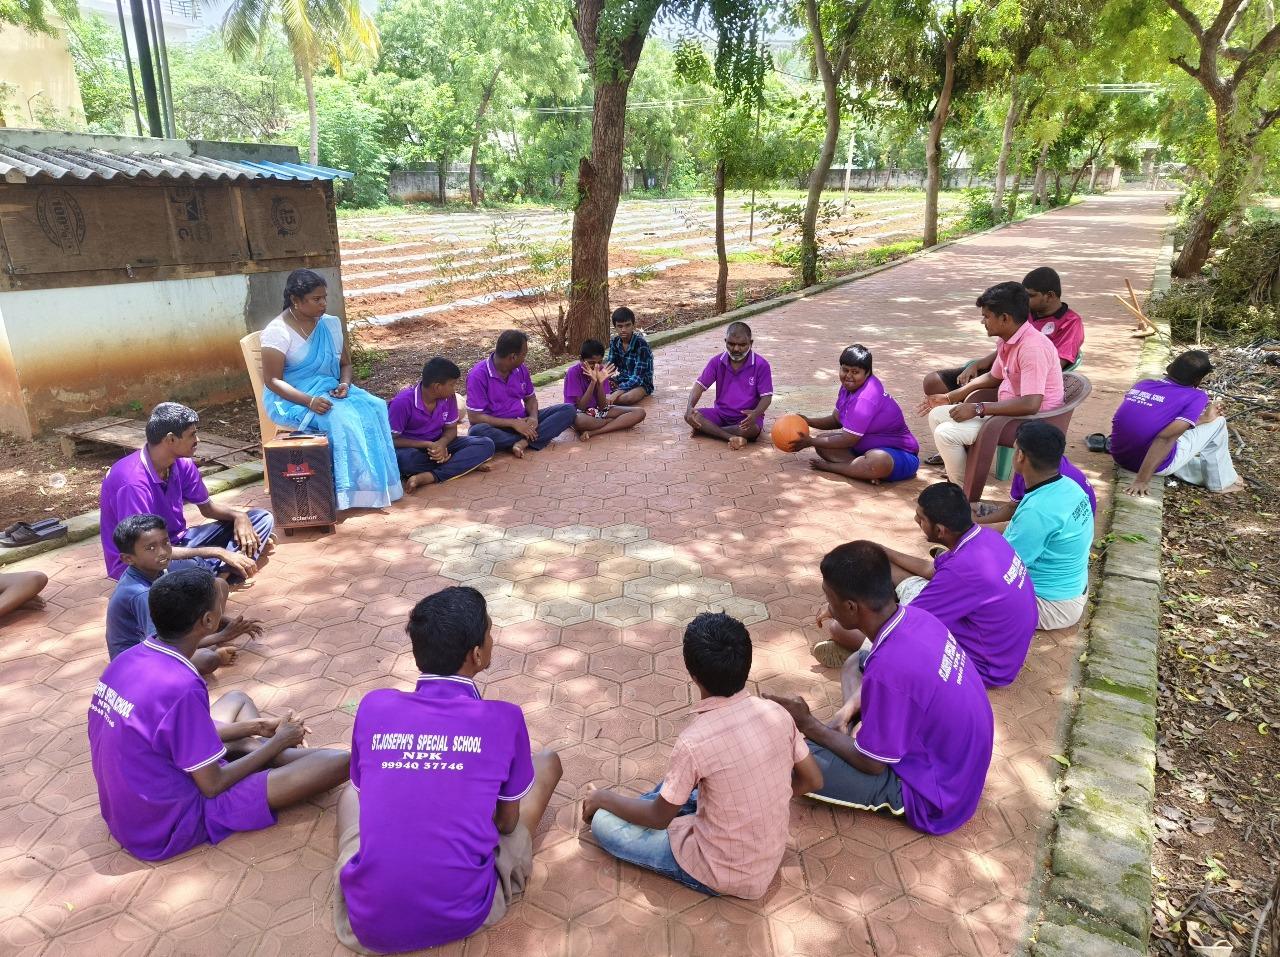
{"x": 749, "y": 256}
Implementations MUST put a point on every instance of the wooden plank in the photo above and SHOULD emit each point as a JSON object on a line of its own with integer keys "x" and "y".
{"x": 106, "y": 277}
{"x": 286, "y": 219}
{"x": 84, "y": 428}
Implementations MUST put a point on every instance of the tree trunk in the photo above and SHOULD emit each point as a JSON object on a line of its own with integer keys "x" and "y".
{"x": 442, "y": 176}
{"x": 1014, "y": 190}
{"x": 1057, "y": 187}
{"x": 485, "y": 96}
{"x": 1093, "y": 176}
{"x": 1040, "y": 199}
{"x": 313, "y": 115}
{"x": 933, "y": 145}
{"x": 1006, "y": 147}
{"x": 1221, "y": 200}
{"x": 722, "y": 257}
{"x": 599, "y": 186}
{"x": 831, "y": 108}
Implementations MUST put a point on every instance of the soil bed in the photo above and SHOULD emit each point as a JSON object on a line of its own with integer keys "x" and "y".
{"x": 1218, "y": 738}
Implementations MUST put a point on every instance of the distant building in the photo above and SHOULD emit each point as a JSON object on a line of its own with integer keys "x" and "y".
{"x": 37, "y": 76}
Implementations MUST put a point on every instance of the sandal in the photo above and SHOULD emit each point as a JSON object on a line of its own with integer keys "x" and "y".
{"x": 1097, "y": 442}
{"x": 23, "y": 533}
{"x": 934, "y": 459}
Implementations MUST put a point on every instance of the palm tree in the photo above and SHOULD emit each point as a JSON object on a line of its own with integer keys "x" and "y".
{"x": 317, "y": 32}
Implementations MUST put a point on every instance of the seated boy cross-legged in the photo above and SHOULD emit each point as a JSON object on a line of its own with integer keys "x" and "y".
{"x": 719, "y": 820}
{"x": 925, "y": 729}
{"x": 744, "y": 389}
{"x": 145, "y": 549}
{"x": 424, "y": 428}
{"x": 587, "y": 386}
{"x": 157, "y": 747}
{"x": 435, "y": 834}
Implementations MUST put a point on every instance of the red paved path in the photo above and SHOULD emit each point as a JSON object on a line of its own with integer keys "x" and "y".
{"x": 594, "y": 555}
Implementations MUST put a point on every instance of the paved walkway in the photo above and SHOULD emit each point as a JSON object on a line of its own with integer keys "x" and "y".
{"x": 594, "y": 556}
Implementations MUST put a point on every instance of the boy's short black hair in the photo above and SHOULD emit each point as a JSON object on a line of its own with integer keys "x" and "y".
{"x": 170, "y": 417}
{"x": 738, "y": 327}
{"x": 444, "y": 627}
{"x": 1190, "y": 368}
{"x": 591, "y": 349}
{"x": 945, "y": 504}
{"x": 858, "y": 356}
{"x": 1043, "y": 279}
{"x": 1007, "y": 299}
{"x": 717, "y": 652}
{"x": 179, "y": 599}
{"x": 510, "y": 343}
{"x": 440, "y": 369}
{"x": 125, "y": 535}
{"x": 1042, "y": 443}
{"x": 859, "y": 571}
{"x": 622, "y": 314}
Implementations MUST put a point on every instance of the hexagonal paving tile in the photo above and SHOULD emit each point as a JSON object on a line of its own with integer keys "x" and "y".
{"x": 547, "y": 550}
{"x": 677, "y": 569}
{"x": 465, "y": 569}
{"x": 540, "y": 588}
{"x": 565, "y": 611}
{"x": 517, "y": 569}
{"x": 528, "y": 533}
{"x": 745, "y": 610}
{"x": 448, "y": 550}
{"x": 597, "y": 588}
{"x": 678, "y": 611}
{"x": 598, "y": 550}
{"x": 479, "y": 533}
{"x": 573, "y": 534}
{"x": 651, "y": 588}
{"x": 490, "y": 586}
{"x": 624, "y": 569}
{"x": 433, "y": 533}
{"x": 624, "y": 533}
{"x": 649, "y": 551}
{"x": 705, "y": 589}
{"x": 510, "y": 610}
{"x": 499, "y": 550}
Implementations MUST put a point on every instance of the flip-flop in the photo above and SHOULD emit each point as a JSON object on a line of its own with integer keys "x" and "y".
{"x": 934, "y": 459}
{"x": 32, "y": 526}
{"x": 1097, "y": 442}
{"x": 24, "y": 534}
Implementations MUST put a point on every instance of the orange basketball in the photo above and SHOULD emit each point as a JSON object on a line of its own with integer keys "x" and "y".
{"x": 786, "y": 430}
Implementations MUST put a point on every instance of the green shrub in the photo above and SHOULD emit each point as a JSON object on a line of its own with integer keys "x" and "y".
{"x": 977, "y": 212}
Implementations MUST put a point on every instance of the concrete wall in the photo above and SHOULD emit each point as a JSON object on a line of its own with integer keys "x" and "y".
{"x": 41, "y": 70}
{"x": 69, "y": 355}
{"x": 423, "y": 185}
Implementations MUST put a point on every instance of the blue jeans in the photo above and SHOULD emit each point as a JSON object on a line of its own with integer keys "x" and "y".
{"x": 551, "y": 422}
{"x": 465, "y": 453}
{"x": 644, "y": 846}
{"x": 222, "y": 535}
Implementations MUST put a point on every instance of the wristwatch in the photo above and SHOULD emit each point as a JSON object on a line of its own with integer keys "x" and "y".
{"x": 982, "y": 409}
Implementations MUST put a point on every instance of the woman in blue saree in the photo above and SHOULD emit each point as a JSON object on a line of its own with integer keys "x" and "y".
{"x": 306, "y": 368}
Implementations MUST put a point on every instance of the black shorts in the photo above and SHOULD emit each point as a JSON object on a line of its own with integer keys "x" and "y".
{"x": 951, "y": 377}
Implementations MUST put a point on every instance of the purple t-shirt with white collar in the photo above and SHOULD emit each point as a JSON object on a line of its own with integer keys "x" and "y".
{"x": 981, "y": 591}
{"x": 149, "y": 729}
{"x": 132, "y": 487}
{"x": 871, "y": 412}
{"x": 490, "y": 393}
{"x": 409, "y": 418}
{"x": 577, "y": 384}
{"x": 1147, "y": 410}
{"x": 737, "y": 392}
{"x": 431, "y": 766}
{"x": 1018, "y": 487}
{"x": 925, "y": 714}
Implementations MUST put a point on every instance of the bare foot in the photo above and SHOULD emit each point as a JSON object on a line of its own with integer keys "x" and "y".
{"x": 737, "y": 443}
{"x": 519, "y": 448}
{"x": 1237, "y": 486}
{"x": 484, "y": 467}
{"x": 416, "y": 482}
{"x": 820, "y": 465}
{"x": 584, "y": 436}
{"x": 35, "y": 603}
{"x": 226, "y": 655}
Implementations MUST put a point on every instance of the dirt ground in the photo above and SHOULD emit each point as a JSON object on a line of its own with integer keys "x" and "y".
{"x": 1218, "y": 778}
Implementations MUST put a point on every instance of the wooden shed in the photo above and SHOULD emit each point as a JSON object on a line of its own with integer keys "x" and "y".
{"x": 130, "y": 268}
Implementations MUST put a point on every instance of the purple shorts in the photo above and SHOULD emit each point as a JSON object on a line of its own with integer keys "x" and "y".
{"x": 724, "y": 418}
{"x": 243, "y": 807}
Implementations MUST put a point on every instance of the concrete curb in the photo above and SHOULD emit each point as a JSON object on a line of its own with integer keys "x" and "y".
{"x": 81, "y": 527}
{"x": 1098, "y": 897}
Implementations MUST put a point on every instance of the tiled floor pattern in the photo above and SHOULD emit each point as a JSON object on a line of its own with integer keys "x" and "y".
{"x": 593, "y": 555}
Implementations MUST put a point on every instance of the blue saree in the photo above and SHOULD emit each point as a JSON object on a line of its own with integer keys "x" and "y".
{"x": 365, "y": 471}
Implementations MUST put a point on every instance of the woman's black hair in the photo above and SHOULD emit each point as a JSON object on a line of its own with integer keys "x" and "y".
{"x": 299, "y": 283}
{"x": 858, "y": 356}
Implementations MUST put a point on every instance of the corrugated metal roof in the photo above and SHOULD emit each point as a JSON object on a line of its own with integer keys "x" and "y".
{"x": 22, "y": 163}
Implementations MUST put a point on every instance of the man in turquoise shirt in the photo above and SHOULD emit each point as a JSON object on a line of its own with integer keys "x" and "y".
{"x": 1052, "y": 529}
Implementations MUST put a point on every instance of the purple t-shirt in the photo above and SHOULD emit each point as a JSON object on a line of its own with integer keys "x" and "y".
{"x": 431, "y": 766}
{"x": 1018, "y": 487}
{"x": 874, "y": 414}
{"x": 1147, "y": 410}
{"x": 132, "y": 487}
{"x": 980, "y": 590}
{"x": 149, "y": 729}
{"x": 577, "y": 383}
{"x": 409, "y": 416}
{"x": 926, "y": 715}
{"x": 737, "y": 392}
{"x": 493, "y": 395}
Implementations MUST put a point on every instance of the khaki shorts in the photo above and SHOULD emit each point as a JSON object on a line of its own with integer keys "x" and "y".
{"x": 514, "y": 863}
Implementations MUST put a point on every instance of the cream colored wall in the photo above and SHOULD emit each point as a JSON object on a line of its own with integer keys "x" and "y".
{"x": 38, "y": 65}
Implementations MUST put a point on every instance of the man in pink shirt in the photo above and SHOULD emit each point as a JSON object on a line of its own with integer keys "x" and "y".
{"x": 718, "y": 821}
{"x": 1026, "y": 370}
